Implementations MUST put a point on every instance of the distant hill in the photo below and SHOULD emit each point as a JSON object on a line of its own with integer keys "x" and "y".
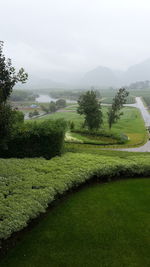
{"x": 138, "y": 72}
{"x": 100, "y": 76}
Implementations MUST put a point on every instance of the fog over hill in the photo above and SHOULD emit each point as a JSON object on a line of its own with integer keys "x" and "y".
{"x": 101, "y": 76}
{"x": 138, "y": 72}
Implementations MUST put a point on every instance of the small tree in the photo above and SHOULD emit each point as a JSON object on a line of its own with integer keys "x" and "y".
{"x": 35, "y": 112}
{"x": 31, "y": 114}
{"x": 61, "y": 103}
{"x": 45, "y": 109}
{"x": 72, "y": 125}
{"x": 114, "y": 113}
{"x": 8, "y": 79}
{"x": 52, "y": 107}
{"x": 90, "y": 107}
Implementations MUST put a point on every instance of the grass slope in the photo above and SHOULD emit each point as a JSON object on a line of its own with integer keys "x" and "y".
{"x": 103, "y": 225}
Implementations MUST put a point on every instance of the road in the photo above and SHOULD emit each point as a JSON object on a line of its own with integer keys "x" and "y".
{"x": 146, "y": 117}
{"x": 144, "y": 111}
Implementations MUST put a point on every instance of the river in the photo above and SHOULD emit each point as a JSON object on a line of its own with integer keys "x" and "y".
{"x": 48, "y": 98}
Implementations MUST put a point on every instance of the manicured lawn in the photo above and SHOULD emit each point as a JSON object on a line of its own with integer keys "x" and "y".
{"x": 130, "y": 124}
{"x": 67, "y": 115}
{"x": 99, "y": 140}
{"x": 101, "y": 225}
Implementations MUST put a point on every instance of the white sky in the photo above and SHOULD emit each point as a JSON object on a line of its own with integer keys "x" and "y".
{"x": 75, "y": 35}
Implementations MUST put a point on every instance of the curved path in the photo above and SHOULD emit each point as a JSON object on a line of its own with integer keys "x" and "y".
{"x": 146, "y": 117}
{"x": 145, "y": 114}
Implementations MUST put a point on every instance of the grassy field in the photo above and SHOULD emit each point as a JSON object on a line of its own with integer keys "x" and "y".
{"x": 101, "y": 225}
{"x": 109, "y": 99}
{"x": 130, "y": 124}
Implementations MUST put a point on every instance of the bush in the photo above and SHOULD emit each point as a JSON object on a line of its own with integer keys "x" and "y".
{"x": 9, "y": 120}
{"x": 27, "y": 186}
{"x": 43, "y": 139}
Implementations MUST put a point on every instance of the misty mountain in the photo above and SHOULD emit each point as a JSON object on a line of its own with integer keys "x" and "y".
{"x": 99, "y": 77}
{"x": 102, "y": 76}
{"x": 138, "y": 72}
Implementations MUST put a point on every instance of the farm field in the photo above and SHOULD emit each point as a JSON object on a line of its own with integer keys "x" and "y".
{"x": 130, "y": 124}
{"x": 101, "y": 225}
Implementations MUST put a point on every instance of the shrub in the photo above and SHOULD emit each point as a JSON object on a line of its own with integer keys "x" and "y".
{"x": 36, "y": 140}
{"x": 72, "y": 125}
{"x": 27, "y": 186}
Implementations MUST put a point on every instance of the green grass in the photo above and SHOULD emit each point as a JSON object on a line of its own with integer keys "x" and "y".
{"x": 109, "y": 100}
{"x": 98, "y": 140}
{"x": 131, "y": 124}
{"x": 69, "y": 116}
{"x": 102, "y": 225}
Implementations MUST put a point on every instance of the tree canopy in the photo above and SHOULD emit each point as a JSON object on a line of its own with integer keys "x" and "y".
{"x": 114, "y": 113}
{"x": 90, "y": 107}
{"x": 8, "y": 76}
{"x": 8, "y": 79}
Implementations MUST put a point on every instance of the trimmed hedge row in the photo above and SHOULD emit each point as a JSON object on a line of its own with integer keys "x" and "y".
{"x": 44, "y": 139}
{"x": 27, "y": 186}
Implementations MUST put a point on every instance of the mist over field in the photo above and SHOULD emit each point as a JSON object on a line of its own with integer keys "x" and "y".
{"x": 78, "y": 43}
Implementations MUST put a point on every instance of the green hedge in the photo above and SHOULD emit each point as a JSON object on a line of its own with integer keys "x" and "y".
{"x": 27, "y": 186}
{"x": 44, "y": 139}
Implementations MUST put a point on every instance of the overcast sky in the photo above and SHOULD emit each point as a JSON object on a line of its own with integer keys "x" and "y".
{"x": 75, "y": 35}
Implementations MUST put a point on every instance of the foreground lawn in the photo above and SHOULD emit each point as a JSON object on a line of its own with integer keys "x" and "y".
{"x": 101, "y": 225}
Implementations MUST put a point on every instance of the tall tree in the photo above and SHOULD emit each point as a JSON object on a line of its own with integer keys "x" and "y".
{"x": 8, "y": 79}
{"x": 89, "y": 106}
{"x": 119, "y": 100}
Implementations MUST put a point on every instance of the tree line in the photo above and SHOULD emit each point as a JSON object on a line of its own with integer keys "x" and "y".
{"x": 54, "y": 106}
